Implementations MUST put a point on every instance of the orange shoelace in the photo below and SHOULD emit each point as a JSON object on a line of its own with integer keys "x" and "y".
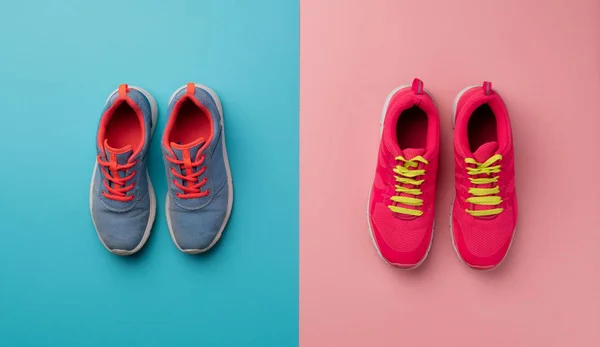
{"x": 192, "y": 189}
{"x": 110, "y": 170}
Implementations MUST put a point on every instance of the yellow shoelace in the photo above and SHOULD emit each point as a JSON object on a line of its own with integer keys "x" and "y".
{"x": 481, "y": 196}
{"x": 406, "y": 176}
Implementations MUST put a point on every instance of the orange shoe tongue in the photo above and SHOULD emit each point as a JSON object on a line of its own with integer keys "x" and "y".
{"x": 485, "y": 151}
{"x": 410, "y": 153}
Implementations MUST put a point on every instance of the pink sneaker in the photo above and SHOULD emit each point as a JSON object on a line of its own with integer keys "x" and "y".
{"x": 401, "y": 203}
{"x": 484, "y": 211}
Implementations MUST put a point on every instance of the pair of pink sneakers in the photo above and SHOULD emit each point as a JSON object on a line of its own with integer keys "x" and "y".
{"x": 401, "y": 203}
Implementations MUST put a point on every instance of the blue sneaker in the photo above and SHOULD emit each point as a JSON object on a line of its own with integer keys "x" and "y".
{"x": 200, "y": 193}
{"x": 122, "y": 199}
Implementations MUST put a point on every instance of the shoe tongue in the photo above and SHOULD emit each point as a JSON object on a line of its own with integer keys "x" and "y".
{"x": 193, "y": 147}
{"x": 122, "y": 154}
{"x": 410, "y": 153}
{"x": 485, "y": 151}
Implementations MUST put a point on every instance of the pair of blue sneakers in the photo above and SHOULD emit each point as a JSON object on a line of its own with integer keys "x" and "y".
{"x": 200, "y": 191}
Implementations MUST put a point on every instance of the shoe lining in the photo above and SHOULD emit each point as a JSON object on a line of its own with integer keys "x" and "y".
{"x": 482, "y": 127}
{"x": 191, "y": 123}
{"x": 411, "y": 129}
{"x": 124, "y": 128}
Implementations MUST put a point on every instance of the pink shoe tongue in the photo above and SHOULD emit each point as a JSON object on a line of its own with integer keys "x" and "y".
{"x": 410, "y": 153}
{"x": 485, "y": 151}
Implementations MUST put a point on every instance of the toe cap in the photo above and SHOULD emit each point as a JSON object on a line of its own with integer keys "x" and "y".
{"x": 195, "y": 231}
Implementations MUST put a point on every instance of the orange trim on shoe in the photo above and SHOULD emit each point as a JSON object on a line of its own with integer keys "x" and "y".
{"x": 191, "y": 89}
{"x": 123, "y": 89}
{"x": 174, "y": 112}
{"x": 106, "y": 117}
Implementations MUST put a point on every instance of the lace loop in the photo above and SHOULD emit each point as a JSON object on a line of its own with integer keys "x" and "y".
{"x": 192, "y": 186}
{"x": 119, "y": 189}
{"x": 484, "y": 196}
{"x": 406, "y": 174}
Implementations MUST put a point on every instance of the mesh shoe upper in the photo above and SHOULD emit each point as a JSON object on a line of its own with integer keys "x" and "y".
{"x": 403, "y": 239}
{"x": 482, "y": 241}
{"x": 197, "y": 204}
{"x": 121, "y": 224}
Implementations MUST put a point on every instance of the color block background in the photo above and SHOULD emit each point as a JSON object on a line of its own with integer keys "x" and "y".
{"x": 58, "y": 62}
{"x": 544, "y": 60}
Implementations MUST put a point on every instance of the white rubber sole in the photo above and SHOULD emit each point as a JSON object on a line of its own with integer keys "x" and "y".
{"x": 454, "y": 106}
{"x": 151, "y": 194}
{"x": 227, "y": 169}
{"x": 381, "y": 122}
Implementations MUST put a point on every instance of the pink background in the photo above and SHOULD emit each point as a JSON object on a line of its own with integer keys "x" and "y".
{"x": 543, "y": 57}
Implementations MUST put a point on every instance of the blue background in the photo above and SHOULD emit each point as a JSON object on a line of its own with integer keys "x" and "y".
{"x": 59, "y": 60}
